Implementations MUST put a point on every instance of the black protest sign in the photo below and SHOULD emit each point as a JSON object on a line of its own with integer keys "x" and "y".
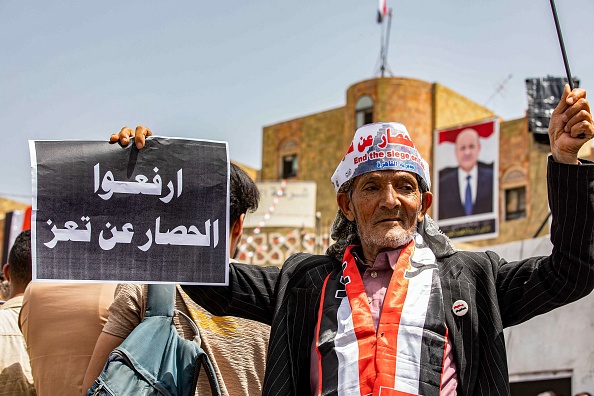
{"x": 102, "y": 212}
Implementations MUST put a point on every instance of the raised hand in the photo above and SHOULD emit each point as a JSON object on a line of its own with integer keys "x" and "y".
{"x": 571, "y": 126}
{"x": 139, "y": 136}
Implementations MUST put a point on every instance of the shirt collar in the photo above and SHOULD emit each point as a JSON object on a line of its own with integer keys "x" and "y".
{"x": 473, "y": 172}
{"x": 15, "y": 302}
{"x": 384, "y": 260}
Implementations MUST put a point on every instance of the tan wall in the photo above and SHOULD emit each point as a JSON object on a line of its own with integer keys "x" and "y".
{"x": 401, "y": 100}
{"x": 251, "y": 172}
{"x": 320, "y": 149}
{"x": 451, "y": 108}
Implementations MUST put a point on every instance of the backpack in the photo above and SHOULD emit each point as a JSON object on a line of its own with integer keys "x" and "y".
{"x": 154, "y": 359}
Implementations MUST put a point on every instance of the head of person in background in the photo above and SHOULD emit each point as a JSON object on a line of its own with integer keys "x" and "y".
{"x": 18, "y": 269}
{"x": 467, "y": 148}
{"x": 244, "y": 197}
{"x": 4, "y": 289}
{"x": 16, "y": 377}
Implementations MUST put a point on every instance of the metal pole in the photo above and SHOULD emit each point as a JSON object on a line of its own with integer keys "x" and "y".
{"x": 386, "y": 47}
{"x": 383, "y": 62}
{"x": 560, "y": 36}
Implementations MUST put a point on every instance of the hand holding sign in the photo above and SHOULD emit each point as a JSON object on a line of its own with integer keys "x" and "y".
{"x": 139, "y": 136}
{"x": 107, "y": 213}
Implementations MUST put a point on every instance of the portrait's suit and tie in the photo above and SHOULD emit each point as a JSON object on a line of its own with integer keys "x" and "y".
{"x": 451, "y": 203}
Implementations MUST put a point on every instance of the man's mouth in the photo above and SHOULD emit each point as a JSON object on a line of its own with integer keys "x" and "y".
{"x": 389, "y": 220}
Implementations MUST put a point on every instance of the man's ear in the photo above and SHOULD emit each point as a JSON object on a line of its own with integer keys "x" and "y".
{"x": 235, "y": 235}
{"x": 6, "y": 272}
{"x": 237, "y": 227}
{"x": 426, "y": 201}
{"x": 346, "y": 206}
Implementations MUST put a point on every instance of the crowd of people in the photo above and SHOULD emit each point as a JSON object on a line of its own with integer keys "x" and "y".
{"x": 391, "y": 308}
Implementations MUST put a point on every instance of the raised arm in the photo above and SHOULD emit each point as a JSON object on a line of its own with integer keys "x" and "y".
{"x": 536, "y": 285}
{"x": 251, "y": 293}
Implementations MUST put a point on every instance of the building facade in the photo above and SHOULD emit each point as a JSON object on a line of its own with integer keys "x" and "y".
{"x": 309, "y": 148}
{"x": 549, "y": 353}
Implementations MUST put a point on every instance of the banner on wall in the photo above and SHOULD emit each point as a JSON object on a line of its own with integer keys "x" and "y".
{"x": 284, "y": 204}
{"x": 465, "y": 179}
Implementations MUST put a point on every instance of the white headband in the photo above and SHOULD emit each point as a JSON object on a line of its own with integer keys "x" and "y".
{"x": 380, "y": 146}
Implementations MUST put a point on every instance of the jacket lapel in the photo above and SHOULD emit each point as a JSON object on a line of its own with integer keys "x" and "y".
{"x": 302, "y": 312}
{"x": 301, "y": 319}
{"x": 462, "y": 330}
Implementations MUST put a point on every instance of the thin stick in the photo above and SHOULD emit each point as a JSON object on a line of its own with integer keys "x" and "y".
{"x": 558, "y": 26}
{"x": 565, "y": 61}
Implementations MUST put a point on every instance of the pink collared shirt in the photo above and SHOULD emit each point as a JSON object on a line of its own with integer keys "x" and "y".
{"x": 376, "y": 279}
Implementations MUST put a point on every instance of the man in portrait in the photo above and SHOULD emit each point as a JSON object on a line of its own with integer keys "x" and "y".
{"x": 468, "y": 188}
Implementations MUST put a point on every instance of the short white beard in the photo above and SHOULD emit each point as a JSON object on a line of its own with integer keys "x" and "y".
{"x": 394, "y": 239}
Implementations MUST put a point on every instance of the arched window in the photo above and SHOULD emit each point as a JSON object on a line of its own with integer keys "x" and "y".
{"x": 288, "y": 159}
{"x": 363, "y": 111}
{"x": 514, "y": 184}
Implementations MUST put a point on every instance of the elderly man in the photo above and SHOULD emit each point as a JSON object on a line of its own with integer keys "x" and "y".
{"x": 393, "y": 308}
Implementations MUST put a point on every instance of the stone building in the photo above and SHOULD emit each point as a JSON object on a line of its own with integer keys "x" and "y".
{"x": 309, "y": 148}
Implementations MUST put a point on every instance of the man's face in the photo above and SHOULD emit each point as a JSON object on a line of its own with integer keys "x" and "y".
{"x": 386, "y": 205}
{"x": 467, "y": 149}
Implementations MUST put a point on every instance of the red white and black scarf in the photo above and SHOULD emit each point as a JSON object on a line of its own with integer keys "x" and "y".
{"x": 406, "y": 354}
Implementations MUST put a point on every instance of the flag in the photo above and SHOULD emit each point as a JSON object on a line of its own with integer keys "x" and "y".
{"x": 14, "y": 223}
{"x": 382, "y": 11}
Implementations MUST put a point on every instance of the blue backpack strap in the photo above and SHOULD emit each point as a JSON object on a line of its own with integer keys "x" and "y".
{"x": 161, "y": 300}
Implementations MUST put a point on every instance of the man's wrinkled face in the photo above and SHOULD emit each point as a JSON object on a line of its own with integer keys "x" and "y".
{"x": 386, "y": 205}
{"x": 467, "y": 149}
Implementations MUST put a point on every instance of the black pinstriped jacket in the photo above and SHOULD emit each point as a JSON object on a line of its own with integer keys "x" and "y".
{"x": 499, "y": 294}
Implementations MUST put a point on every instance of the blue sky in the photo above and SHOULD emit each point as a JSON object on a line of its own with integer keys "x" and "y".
{"x": 223, "y": 70}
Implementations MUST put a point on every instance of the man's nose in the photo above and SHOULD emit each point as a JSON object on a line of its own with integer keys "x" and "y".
{"x": 390, "y": 198}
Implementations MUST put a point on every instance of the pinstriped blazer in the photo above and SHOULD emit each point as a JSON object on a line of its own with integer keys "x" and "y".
{"x": 498, "y": 293}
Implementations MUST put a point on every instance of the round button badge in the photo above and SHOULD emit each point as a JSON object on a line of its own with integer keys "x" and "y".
{"x": 460, "y": 308}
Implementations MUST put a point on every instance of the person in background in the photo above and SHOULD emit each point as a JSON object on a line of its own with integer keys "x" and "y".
{"x": 236, "y": 347}
{"x": 4, "y": 289}
{"x": 61, "y": 323}
{"x": 15, "y": 371}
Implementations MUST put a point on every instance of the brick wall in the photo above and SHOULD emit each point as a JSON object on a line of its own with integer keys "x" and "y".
{"x": 323, "y": 138}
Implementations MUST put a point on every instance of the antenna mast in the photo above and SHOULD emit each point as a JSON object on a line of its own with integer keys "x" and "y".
{"x": 386, "y": 46}
{"x": 384, "y": 43}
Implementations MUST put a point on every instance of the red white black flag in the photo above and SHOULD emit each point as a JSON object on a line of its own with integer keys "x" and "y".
{"x": 382, "y": 11}
{"x": 15, "y": 222}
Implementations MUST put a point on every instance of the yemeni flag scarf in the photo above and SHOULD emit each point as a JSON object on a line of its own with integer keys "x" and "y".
{"x": 406, "y": 354}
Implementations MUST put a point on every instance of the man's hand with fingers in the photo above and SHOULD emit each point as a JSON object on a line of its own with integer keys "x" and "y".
{"x": 139, "y": 136}
{"x": 571, "y": 126}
